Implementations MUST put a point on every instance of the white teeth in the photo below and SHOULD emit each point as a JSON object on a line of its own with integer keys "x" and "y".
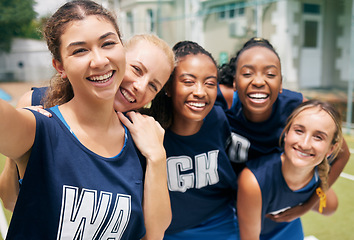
{"x": 102, "y": 78}
{"x": 304, "y": 154}
{"x": 197, "y": 104}
{"x": 127, "y": 95}
{"x": 258, "y": 95}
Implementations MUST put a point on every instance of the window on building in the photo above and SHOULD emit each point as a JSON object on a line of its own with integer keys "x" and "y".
{"x": 150, "y": 20}
{"x": 310, "y": 37}
{"x": 231, "y": 11}
{"x": 311, "y": 8}
{"x": 130, "y": 22}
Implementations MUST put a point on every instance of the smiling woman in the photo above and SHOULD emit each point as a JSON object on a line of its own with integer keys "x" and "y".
{"x": 89, "y": 139}
{"x": 200, "y": 178}
{"x": 147, "y": 69}
{"x": 278, "y": 181}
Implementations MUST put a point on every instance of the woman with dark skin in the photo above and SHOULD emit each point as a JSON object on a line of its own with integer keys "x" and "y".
{"x": 259, "y": 112}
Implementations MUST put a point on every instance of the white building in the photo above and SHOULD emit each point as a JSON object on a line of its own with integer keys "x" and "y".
{"x": 312, "y": 37}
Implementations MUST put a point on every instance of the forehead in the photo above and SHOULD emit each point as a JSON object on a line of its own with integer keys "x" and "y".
{"x": 83, "y": 28}
{"x": 324, "y": 122}
{"x": 259, "y": 53}
{"x": 197, "y": 60}
{"x": 143, "y": 49}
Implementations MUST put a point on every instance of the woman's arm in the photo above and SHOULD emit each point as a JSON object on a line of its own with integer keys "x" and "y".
{"x": 17, "y": 128}
{"x": 148, "y": 136}
{"x": 9, "y": 185}
{"x": 249, "y": 206}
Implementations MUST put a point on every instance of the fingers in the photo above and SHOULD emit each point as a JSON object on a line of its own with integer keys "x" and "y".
{"x": 39, "y": 108}
{"x": 124, "y": 119}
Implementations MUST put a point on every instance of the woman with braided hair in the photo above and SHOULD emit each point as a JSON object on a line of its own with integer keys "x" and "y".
{"x": 275, "y": 182}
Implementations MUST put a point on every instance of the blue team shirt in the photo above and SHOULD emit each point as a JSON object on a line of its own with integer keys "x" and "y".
{"x": 69, "y": 192}
{"x": 37, "y": 95}
{"x": 251, "y": 140}
{"x": 200, "y": 177}
{"x": 277, "y": 196}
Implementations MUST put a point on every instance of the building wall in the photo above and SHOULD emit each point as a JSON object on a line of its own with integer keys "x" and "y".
{"x": 342, "y": 46}
{"x": 29, "y": 60}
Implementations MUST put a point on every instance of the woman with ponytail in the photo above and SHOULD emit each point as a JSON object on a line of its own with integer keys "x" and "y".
{"x": 275, "y": 182}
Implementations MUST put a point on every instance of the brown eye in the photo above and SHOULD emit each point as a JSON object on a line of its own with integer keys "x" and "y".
{"x": 80, "y": 50}
{"x": 108, "y": 43}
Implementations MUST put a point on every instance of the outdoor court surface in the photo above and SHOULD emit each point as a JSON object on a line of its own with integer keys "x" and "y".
{"x": 339, "y": 226}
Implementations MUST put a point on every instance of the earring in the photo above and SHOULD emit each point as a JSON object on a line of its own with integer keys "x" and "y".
{"x": 147, "y": 106}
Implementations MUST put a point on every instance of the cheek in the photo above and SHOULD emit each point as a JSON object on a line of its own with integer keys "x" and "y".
{"x": 212, "y": 95}
{"x": 149, "y": 96}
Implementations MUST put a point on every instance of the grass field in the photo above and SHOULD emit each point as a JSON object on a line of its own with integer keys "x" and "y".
{"x": 339, "y": 226}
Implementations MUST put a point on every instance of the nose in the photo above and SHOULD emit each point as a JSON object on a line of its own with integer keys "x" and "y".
{"x": 199, "y": 90}
{"x": 98, "y": 59}
{"x": 305, "y": 142}
{"x": 140, "y": 84}
{"x": 258, "y": 81}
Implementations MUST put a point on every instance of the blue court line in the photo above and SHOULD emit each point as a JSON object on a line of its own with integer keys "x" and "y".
{"x": 4, "y": 95}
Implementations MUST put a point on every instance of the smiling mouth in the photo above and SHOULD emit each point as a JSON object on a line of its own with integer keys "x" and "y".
{"x": 258, "y": 96}
{"x": 102, "y": 78}
{"x": 303, "y": 154}
{"x": 127, "y": 96}
{"x": 197, "y": 104}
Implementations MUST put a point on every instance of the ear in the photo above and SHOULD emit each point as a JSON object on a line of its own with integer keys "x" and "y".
{"x": 330, "y": 151}
{"x": 59, "y": 67}
{"x": 281, "y": 84}
{"x": 168, "y": 89}
{"x": 234, "y": 84}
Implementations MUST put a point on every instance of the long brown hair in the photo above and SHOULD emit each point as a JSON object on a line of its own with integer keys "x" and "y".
{"x": 60, "y": 90}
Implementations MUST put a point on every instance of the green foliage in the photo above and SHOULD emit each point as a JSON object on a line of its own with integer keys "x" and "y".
{"x": 16, "y": 20}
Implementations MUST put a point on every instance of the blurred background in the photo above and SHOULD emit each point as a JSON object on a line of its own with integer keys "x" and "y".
{"x": 314, "y": 39}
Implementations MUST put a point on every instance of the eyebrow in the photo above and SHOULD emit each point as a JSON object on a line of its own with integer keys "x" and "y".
{"x": 157, "y": 82}
{"x": 317, "y": 131}
{"x": 83, "y": 42}
{"x": 193, "y": 76}
{"x": 252, "y": 66}
{"x": 145, "y": 70}
{"x": 187, "y": 74}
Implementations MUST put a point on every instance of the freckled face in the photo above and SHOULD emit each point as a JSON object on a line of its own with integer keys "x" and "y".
{"x": 93, "y": 61}
{"x": 307, "y": 144}
{"x": 147, "y": 71}
{"x": 258, "y": 82}
{"x": 194, "y": 88}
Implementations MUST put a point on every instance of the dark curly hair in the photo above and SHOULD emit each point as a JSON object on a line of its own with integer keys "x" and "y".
{"x": 161, "y": 106}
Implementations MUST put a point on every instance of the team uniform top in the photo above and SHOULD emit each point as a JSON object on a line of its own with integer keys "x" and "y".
{"x": 251, "y": 140}
{"x": 38, "y": 95}
{"x": 277, "y": 196}
{"x": 69, "y": 192}
{"x": 200, "y": 177}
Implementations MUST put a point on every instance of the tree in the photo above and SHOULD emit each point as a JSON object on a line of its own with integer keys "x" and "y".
{"x": 16, "y": 19}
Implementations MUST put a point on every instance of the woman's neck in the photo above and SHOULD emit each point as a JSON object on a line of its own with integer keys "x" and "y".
{"x": 295, "y": 177}
{"x": 186, "y": 128}
{"x": 96, "y": 126}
